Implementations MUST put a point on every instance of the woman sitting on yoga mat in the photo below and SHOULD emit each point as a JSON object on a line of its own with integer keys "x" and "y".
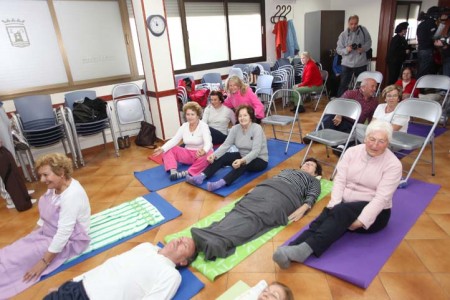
{"x": 272, "y": 203}
{"x": 252, "y": 155}
{"x": 218, "y": 117}
{"x": 361, "y": 199}
{"x": 196, "y": 137}
{"x": 61, "y": 231}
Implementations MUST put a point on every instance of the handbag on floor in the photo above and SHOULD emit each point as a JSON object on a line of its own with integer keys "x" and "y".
{"x": 146, "y": 136}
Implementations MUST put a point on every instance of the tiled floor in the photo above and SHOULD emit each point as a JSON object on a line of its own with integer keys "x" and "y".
{"x": 418, "y": 269}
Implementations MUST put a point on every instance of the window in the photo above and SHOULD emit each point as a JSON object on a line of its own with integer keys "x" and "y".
{"x": 408, "y": 12}
{"x": 59, "y": 45}
{"x": 208, "y": 34}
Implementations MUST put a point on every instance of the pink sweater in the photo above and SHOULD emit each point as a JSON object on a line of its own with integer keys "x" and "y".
{"x": 249, "y": 98}
{"x": 361, "y": 177}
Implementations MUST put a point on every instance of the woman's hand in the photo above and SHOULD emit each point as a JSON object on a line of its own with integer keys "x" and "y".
{"x": 237, "y": 163}
{"x": 211, "y": 158}
{"x": 157, "y": 151}
{"x": 355, "y": 225}
{"x": 35, "y": 272}
{"x": 200, "y": 153}
{"x": 299, "y": 213}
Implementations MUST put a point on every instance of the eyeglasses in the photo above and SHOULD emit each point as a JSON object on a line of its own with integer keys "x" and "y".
{"x": 392, "y": 96}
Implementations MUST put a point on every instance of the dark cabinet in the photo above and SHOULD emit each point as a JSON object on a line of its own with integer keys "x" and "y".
{"x": 322, "y": 29}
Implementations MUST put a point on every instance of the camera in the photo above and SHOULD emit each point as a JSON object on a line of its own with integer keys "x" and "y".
{"x": 445, "y": 40}
{"x": 356, "y": 46}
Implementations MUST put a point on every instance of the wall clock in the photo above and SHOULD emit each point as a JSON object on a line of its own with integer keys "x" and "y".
{"x": 156, "y": 24}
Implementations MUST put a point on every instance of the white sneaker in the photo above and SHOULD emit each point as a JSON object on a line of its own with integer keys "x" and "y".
{"x": 10, "y": 204}
{"x": 30, "y": 192}
{"x": 340, "y": 147}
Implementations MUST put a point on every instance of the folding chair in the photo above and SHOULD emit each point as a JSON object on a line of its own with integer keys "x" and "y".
{"x": 324, "y": 87}
{"x": 330, "y": 137}
{"x": 440, "y": 82}
{"x": 424, "y": 109}
{"x": 377, "y": 76}
{"x": 128, "y": 105}
{"x": 283, "y": 120}
{"x": 90, "y": 128}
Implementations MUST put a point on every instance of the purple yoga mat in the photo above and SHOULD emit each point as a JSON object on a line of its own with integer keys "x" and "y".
{"x": 357, "y": 258}
{"x": 423, "y": 129}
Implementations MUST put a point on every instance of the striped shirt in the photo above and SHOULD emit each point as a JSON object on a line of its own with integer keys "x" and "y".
{"x": 305, "y": 185}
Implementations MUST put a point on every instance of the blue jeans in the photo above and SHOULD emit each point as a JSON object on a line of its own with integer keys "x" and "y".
{"x": 346, "y": 77}
{"x": 426, "y": 63}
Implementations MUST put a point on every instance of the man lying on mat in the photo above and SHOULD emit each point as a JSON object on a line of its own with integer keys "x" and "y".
{"x": 144, "y": 272}
{"x": 272, "y": 203}
{"x": 361, "y": 199}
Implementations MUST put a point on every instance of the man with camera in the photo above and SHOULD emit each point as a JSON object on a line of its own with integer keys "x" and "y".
{"x": 354, "y": 44}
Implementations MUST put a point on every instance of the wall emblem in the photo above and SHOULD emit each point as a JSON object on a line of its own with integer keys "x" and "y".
{"x": 17, "y": 32}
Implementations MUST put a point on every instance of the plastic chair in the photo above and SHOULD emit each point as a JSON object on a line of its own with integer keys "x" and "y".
{"x": 128, "y": 105}
{"x": 264, "y": 89}
{"x": 377, "y": 76}
{"x": 281, "y": 62}
{"x": 330, "y": 137}
{"x": 324, "y": 87}
{"x": 283, "y": 120}
{"x": 265, "y": 65}
{"x": 42, "y": 125}
{"x": 440, "y": 82}
{"x": 89, "y": 128}
{"x": 424, "y": 109}
{"x": 213, "y": 81}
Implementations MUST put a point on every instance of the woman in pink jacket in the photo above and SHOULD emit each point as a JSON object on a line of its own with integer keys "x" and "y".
{"x": 238, "y": 93}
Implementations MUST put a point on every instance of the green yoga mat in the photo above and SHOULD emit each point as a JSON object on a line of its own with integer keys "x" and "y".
{"x": 211, "y": 269}
{"x": 121, "y": 221}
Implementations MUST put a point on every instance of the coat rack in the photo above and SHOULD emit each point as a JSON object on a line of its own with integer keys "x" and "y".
{"x": 281, "y": 13}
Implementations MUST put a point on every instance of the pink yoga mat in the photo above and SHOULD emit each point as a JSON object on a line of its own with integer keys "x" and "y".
{"x": 357, "y": 258}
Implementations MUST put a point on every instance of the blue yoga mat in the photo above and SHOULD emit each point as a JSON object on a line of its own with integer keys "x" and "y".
{"x": 190, "y": 284}
{"x": 165, "y": 208}
{"x": 357, "y": 258}
{"x": 157, "y": 178}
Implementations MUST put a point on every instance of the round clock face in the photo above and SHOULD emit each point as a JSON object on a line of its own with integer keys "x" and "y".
{"x": 156, "y": 24}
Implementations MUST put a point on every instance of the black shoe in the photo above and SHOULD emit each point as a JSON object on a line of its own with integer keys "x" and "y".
{"x": 301, "y": 109}
{"x": 126, "y": 140}
{"x": 306, "y": 140}
{"x": 121, "y": 142}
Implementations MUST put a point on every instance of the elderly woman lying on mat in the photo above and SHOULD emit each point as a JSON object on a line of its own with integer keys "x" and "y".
{"x": 361, "y": 199}
{"x": 274, "y": 202}
{"x": 263, "y": 291}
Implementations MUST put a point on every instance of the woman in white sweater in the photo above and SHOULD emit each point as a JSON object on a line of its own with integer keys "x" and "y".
{"x": 196, "y": 137}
